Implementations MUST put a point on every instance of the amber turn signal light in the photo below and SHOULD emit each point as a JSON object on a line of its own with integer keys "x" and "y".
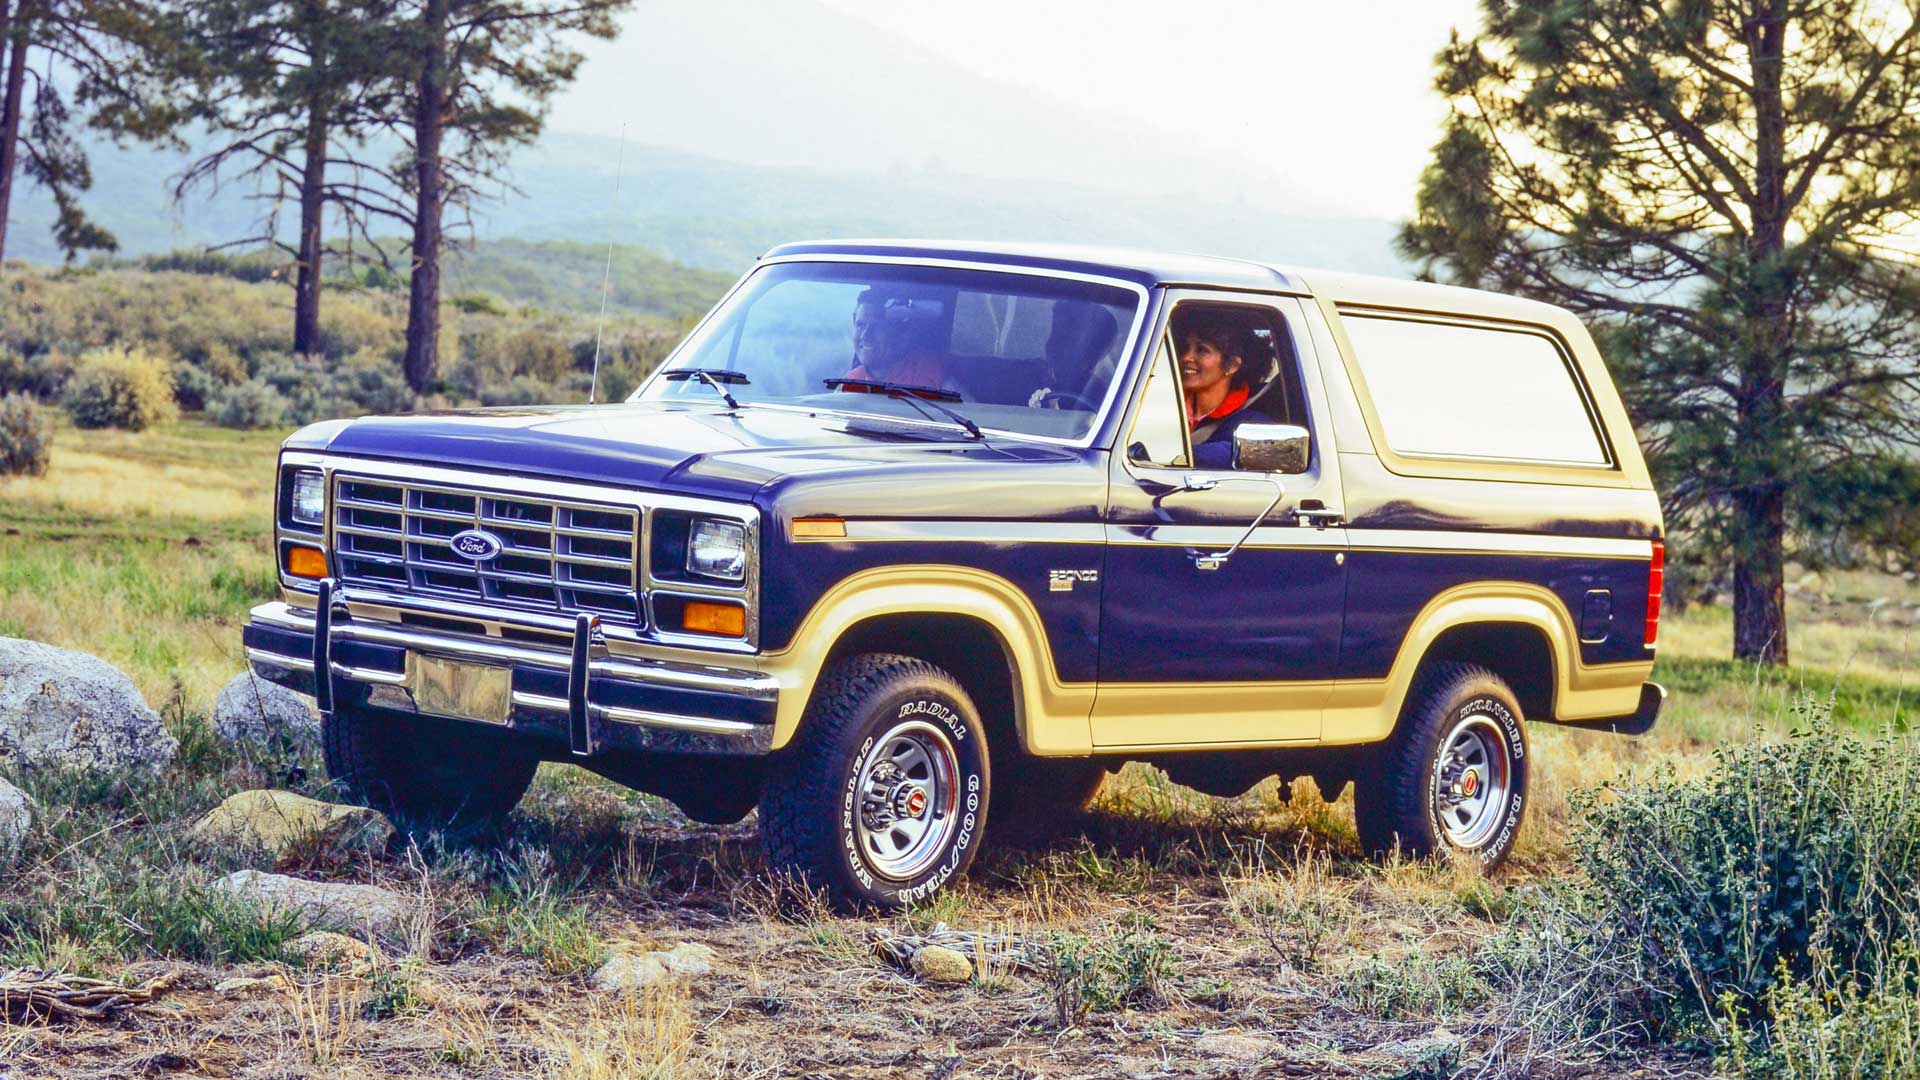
{"x": 306, "y": 562}
{"x": 819, "y": 528}
{"x": 702, "y": 617}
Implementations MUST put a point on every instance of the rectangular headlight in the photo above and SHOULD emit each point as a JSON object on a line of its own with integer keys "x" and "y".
{"x": 308, "y": 506}
{"x": 717, "y": 549}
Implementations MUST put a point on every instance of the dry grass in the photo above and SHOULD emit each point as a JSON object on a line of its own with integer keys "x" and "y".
{"x": 1285, "y": 955}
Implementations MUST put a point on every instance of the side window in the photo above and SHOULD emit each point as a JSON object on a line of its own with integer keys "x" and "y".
{"x": 1160, "y": 431}
{"x": 1237, "y": 365}
{"x": 1435, "y": 384}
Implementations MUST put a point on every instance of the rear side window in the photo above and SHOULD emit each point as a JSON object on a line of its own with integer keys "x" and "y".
{"x": 1449, "y": 390}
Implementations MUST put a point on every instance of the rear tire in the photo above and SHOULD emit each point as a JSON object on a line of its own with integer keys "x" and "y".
{"x": 882, "y": 797}
{"x": 1452, "y": 780}
{"x": 425, "y": 772}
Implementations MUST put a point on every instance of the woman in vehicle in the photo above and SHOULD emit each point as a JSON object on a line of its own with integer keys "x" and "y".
{"x": 1221, "y": 364}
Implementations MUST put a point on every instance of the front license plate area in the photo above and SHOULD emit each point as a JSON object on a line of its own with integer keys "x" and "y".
{"x": 460, "y": 690}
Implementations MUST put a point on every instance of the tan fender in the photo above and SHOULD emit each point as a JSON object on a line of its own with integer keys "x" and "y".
{"x": 1052, "y": 717}
{"x": 1362, "y": 712}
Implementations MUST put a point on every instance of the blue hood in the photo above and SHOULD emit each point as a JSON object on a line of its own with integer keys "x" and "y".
{"x": 696, "y": 450}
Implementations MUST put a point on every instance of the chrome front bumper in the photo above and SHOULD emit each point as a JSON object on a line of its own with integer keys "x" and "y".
{"x": 563, "y": 683}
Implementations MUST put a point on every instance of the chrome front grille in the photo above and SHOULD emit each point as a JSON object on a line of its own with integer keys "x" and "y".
{"x": 554, "y": 555}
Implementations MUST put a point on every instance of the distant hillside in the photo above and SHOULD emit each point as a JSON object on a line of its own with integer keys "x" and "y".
{"x": 720, "y": 215}
{"x": 565, "y": 275}
{"x": 551, "y": 275}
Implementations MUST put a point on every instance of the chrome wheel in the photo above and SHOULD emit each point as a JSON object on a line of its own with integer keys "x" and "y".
{"x": 908, "y": 787}
{"x": 1472, "y": 782}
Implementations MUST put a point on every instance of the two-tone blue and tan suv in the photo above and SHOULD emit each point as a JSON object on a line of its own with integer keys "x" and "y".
{"x": 909, "y": 543}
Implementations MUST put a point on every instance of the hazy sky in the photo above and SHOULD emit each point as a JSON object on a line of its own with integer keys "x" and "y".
{"x": 1325, "y": 107}
{"x": 1280, "y": 80}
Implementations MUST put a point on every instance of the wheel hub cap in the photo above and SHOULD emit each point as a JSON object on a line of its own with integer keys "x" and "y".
{"x": 1473, "y": 787}
{"x": 908, "y": 787}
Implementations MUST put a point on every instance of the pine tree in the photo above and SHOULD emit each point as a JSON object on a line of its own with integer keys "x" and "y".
{"x": 483, "y": 70}
{"x": 293, "y": 89}
{"x": 102, "y": 52}
{"x": 1728, "y": 189}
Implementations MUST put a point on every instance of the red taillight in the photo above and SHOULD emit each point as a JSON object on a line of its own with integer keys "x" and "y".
{"x": 1656, "y": 571}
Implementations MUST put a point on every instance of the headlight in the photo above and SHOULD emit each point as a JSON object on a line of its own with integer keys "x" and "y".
{"x": 309, "y": 503}
{"x": 717, "y": 549}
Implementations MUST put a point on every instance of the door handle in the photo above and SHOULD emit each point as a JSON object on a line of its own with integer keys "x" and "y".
{"x": 1317, "y": 514}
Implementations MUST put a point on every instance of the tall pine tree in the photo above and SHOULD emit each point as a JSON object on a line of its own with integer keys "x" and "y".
{"x": 483, "y": 71}
{"x": 98, "y": 57}
{"x": 1728, "y": 189}
{"x": 291, "y": 89}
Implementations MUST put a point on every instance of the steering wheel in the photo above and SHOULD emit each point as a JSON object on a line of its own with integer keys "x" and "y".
{"x": 1054, "y": 399}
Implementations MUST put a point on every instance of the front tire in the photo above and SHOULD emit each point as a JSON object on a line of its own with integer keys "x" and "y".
{"x": 1452, "y": 780}
{"x": 425, "y": 772}
{"x": 882, "y": 798}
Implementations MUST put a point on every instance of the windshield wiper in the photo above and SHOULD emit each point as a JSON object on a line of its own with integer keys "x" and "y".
{"x": 920, "y": 397}
{"x": 713, "y": 377}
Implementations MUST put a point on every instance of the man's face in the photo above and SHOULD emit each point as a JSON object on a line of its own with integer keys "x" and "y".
{"x": 869, "y": 334}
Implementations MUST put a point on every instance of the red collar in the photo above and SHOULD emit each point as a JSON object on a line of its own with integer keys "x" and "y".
{"x": 1229, "y": 405}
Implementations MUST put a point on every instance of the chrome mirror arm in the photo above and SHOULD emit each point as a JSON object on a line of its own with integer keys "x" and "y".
{"x": 1216, "y": 560}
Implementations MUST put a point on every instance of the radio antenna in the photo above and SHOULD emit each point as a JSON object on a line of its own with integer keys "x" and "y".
{"x": 606, "y": 272}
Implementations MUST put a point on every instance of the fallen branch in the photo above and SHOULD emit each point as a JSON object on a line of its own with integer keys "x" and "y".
{"x": 29, "y": 994}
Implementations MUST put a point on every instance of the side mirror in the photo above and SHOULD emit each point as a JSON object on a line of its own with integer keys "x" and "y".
{"x": 1272, "y": 448}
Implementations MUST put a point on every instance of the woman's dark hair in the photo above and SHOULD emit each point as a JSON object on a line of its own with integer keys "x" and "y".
{"x": 1231, "y": 332}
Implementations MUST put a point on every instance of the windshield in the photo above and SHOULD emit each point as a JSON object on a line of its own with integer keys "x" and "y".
{"x": 1009, "y": 352}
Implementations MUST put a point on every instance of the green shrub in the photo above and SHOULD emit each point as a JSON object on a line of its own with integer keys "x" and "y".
{"x": 1788, "y": 860}
{"x": 1131, "y": 967}
{"x": 26, "y": 440}
{"x": 251, "y": 404}
{"x": 1824, "y": 1031}
{"x": 41, "y": 375}
{"x": 121, "y": 387}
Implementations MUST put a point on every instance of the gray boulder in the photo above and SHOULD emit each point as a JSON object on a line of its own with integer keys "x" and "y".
{"x": 252, "y": 710}
{"x": 16, "y": 817}
{"x": 628, "y": 969}
{"x": 333, "y": 905}
{"x": 65, "y": 709}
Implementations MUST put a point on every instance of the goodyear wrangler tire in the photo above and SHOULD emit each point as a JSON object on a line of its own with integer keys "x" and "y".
{"x": 882, "y": 798}
{"x": 1452, "y": 781}
{"x": 424, "y": 772}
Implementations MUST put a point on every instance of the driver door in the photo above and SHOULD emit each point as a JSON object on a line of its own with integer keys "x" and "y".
{"x": 1244, "y": 654}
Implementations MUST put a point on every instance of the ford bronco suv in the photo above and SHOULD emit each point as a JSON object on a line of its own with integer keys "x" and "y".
{"x": 907, "y": 544}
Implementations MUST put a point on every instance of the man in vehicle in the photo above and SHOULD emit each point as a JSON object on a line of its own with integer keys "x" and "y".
{"x": 894, "y": 343}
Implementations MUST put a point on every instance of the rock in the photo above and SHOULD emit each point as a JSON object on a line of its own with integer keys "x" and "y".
{"x": 293, "y": 828}
{"x": 16, "y": 817}
{"x": 65, "y": 709}
{"x": 942, "y": 966}
{"x": 252, "y": 710}
{"x": 238, "y": 986}
{"x": 630, "y": 970}
{"x": 332, "y": 951}
{"x": 323, "y": 904}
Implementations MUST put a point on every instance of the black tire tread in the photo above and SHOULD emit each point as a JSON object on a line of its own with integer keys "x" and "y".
{"x": 378, "y": 761}
{"x": 1392, "y": 810}
{"x": 796, "y": 835}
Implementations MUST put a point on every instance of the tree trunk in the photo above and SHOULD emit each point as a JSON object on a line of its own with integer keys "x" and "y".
{"x": 10, "y": 109}
{"x": 1765, "y": 441}
{"x": 423, "y": 299}
{"x": 1759, "y": 577}
{"x": 306, "y": 288}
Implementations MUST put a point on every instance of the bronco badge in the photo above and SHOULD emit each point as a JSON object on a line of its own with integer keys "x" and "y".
{"x": 1063, "y": 580}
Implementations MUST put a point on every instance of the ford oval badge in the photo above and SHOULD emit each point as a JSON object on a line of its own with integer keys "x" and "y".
{"x": 476, "y": 545}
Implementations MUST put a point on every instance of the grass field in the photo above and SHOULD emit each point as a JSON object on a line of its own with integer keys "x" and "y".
{"x": 1221, "y": 937}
